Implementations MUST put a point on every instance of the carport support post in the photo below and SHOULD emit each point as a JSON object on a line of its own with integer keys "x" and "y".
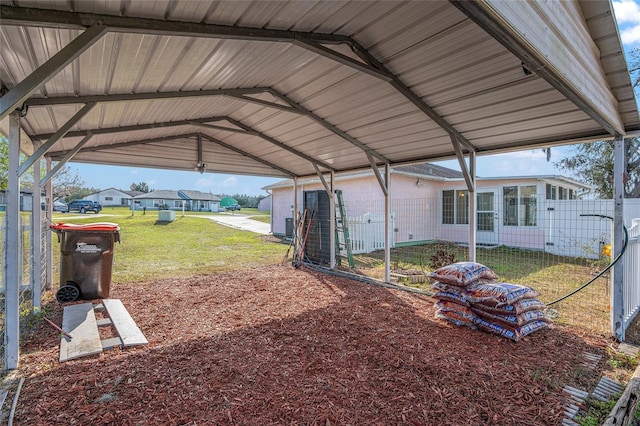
{"x": 12, "y": 248}
{"x": 469, "y": 174}
{"x": 473, "y": 217}
{"x": 332, "y": 218}
{"x": 384, "y": 183}
{"x": 617, "y": 279}
{"x": 48, "y": 239}
{"x": 388, "y": 234}
{"x": 296, "y": 216}
{"x": 36, "y": 239}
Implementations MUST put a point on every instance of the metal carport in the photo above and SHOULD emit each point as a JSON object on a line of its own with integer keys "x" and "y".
{"x": 293, "y": 88}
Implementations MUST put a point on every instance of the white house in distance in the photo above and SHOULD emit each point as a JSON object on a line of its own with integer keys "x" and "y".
{"x": 430, "y": 202}
{"x": 177, "y": 200}
{"x": 111, "y": 197}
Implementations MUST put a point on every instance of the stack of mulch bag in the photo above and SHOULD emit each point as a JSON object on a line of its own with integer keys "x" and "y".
{"x": 470, "y": 294}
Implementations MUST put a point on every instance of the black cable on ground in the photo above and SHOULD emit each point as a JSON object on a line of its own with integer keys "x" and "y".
{"x": 599, "y": 274}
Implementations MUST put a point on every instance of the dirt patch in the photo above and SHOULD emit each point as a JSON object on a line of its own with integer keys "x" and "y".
{"x": 278, "y": 345}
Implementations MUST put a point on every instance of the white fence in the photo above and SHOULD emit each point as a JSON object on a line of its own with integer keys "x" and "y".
{"x": 366, "y": 232}
{"x": 631, "y": 265}
{"x": 580, "y": 228}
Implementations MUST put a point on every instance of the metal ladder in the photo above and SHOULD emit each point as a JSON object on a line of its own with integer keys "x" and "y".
{"x": 342, "y": 227}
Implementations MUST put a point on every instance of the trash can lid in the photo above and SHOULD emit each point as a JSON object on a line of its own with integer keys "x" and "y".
{"x": 97, "y": 226}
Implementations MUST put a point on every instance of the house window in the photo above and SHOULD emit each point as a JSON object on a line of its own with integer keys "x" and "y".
{"x": 202, "y": 205}
{"x": 177, "y": 203}
{"x": 455, "y": 207}
{"x": 520, "y": 205}
{"x": 572, "y": 194}
{"x": 108, "y": 198}
{"x": 551, "y": 192}
{"x": 158, "y": 203}
{"x": 448, "y": 206}
{"x": 563, "y": 193}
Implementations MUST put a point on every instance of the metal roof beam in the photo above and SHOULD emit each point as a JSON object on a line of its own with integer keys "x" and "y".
{"x": 168, "y": 138}
{"x": 384, "y": 184}
{"x": 56, "y": 154}
{"x": 334, "y": 129}
{"x": 409, "y": 94}
{"x": 64, "y": 100}
{"x": 267, "y": 104}
{"x": 479, "y": 14}
{"x": 194, "y": 122}
{"x": 276, "y": 142}
{"x": 23, "y": 90}
{"x": 62, "y": 19}
{"x": 64, "y": 130}
{"x": 234, "y": 93}
{"x": 251, "y": 156}
{"x": 133, "y": 128}
{"x": 470, "y": 180}
{"x": 319, "y": 49}
{"x": 66, "y": 158}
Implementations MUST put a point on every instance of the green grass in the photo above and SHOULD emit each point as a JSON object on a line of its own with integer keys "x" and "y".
{"x": 261, "y": 218}
{"x": 186, "y": 247}
{"x": 553, "y": 276}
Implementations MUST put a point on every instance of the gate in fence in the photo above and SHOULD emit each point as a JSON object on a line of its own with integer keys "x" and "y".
{"x": 367, "y": 233}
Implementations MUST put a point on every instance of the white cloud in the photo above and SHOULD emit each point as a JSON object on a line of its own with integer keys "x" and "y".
{"x": 205, "y": 183}
{"x": 631, "y": 35}
{"x": 133, "y": 172}
{"x": 627, "y": 12}
{"x": 229, "y": 182}
{"x": 628, "y": 16}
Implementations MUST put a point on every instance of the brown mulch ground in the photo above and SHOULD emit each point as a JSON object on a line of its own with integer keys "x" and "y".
{"x": 281, "y": 346}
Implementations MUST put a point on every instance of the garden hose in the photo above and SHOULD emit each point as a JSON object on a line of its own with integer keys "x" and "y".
{"x": 599, "y": 274}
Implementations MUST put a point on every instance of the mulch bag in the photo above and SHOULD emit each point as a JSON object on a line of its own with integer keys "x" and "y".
{"x": 513, "y": 333}
{"x": 514, "y": 320}
{"x": 457, "y": 317}
{"x": 499, "y": 293}
{"x": 463, "y": 274}
{"x": 452, "y": 296}
{"x": 515, "y": 308}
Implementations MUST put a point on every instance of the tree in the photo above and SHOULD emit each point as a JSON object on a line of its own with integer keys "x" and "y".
{"x": 142, "y": 187}
{"x": 593, "y": 163}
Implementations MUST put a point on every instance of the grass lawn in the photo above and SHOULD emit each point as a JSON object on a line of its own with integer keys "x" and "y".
{"x": 186, "y": 247}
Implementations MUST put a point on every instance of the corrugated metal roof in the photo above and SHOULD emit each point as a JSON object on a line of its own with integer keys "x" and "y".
{"x": 271, "y": 87}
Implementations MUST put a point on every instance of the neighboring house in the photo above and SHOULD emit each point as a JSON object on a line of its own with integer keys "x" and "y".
{"x": 113, "y": 197}
{"x": 265, "y": 204}
{"x": 430, "y": 202}
{"x": 228, "y": 201}
{"x": 177, "y": 200}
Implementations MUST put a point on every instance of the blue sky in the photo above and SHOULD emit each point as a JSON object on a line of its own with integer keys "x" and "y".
{"x": 521, "y": 163}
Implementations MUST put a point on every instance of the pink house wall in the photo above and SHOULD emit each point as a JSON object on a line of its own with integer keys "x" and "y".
{"x": 416, "y": 207}
{"x": 362, "y": 194}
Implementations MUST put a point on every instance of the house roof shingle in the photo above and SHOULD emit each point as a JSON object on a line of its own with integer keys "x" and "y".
{"x": 183, "y": 194}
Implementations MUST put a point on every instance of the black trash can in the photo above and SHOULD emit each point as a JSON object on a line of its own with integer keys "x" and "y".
{"x": 86, "y": 259}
